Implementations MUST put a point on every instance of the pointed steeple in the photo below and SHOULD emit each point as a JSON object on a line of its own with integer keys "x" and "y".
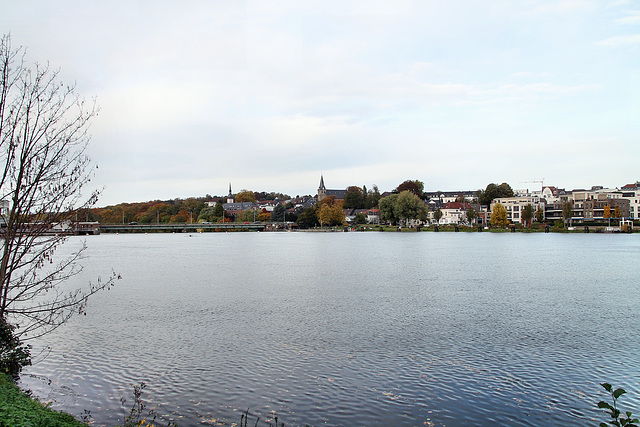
{"x": 322, "y": 190}
{"x": 230, "y": 196}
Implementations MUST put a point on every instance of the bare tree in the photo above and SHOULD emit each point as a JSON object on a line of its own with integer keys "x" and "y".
{"x": 43, "y": 128}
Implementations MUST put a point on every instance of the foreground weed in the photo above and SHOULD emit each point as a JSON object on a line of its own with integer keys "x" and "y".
{"x": 136, "y": 416}
{"x": 613, "y": 410}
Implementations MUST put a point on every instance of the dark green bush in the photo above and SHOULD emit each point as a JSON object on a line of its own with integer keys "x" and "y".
{"x": 13, "y": 354}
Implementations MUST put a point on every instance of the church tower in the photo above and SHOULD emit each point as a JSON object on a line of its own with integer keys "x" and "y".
{"x": 230, "y": 196}
{"x": 322, "y": 190}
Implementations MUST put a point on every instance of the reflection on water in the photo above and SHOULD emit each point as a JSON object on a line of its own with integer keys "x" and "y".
{"x": 353, "y": 328}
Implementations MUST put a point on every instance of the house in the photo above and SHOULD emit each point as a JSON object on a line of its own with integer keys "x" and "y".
{"x": 453, "y": 213}
{"x": 303, "y": 203}
{"x": 372, "y": 215}
{"x": 268, "y": 205}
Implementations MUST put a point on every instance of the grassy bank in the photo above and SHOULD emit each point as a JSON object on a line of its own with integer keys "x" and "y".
{"x": 18, "y": 409}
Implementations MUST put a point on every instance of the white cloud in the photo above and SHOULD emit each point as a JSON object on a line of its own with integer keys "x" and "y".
{"x": 555, "y": 7}
{"x": 619, "y": 41}
{"x": 531, "y": 75}
{"x": 633, "y": 17}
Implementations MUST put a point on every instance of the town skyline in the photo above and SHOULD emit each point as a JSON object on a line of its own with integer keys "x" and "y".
{"x": 231, "y": 189}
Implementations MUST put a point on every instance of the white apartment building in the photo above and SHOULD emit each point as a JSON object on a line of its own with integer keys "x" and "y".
{"x": 631, "y": 192}
{"x": 515, "y": 206}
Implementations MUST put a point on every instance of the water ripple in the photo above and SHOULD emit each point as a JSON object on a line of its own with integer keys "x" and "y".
{"x": 352, "y": 329}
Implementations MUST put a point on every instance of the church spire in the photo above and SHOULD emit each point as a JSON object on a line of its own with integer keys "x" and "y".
{"x": 322, "y": 190}
{"x": 230, "y": 196}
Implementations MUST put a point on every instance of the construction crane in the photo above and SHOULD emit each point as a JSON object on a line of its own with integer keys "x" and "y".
{"x": 539, "y": 181}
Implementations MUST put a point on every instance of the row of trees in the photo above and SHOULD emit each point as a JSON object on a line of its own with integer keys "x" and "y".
{"x": 162, "y": 212}
{"x": 179, "y": 211}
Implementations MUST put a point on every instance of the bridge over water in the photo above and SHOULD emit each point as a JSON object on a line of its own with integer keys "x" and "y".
{"x": 181, "y": 228}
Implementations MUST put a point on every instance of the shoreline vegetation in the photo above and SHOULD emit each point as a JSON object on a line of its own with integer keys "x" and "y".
{"x": 20, "y": 408}
{"x": 451, "y": 228}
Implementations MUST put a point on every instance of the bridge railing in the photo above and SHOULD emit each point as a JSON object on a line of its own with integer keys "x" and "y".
{"x": 106, "y": 228}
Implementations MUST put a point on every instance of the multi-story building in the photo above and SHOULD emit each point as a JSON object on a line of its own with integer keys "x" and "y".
{"x": 631, "y": 192}
{"x": 515, "y": 206}
{"x": 594, "y": 209}
{"x": 591, "y": 204}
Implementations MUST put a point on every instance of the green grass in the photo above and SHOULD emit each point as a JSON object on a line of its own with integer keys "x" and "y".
{"x": 18, "y": 409}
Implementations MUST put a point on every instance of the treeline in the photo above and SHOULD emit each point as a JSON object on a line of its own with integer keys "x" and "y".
{"x": 152, "y": 212}
{"x": 176, "y": 211}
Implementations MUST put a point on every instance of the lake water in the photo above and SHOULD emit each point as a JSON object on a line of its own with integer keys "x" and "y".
{"x": 341, "y": 329}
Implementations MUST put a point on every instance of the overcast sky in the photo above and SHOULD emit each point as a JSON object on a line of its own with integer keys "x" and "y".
{"x": 268, "y": 95}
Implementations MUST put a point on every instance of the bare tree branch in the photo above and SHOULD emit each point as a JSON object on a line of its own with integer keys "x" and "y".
{"x": 44, "y": 168}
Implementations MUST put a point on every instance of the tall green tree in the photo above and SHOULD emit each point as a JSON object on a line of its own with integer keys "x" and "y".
{"x": 308, "y": 218}
{"x": 539, "y": 214}
{"x": 373, "y": 197}
{"x": 471, "y": 215}
{"x": 354, "y": 199}
{"x": 387, "y": 208}
{"x": 407, "y": 206}
{"x": 415, "y": 186}
{"x": 567, "y": 211}
{"x": 527, "y": 214}
{"x": 437, "y": 215}
{"x": 219, "y": 210}
{"x": 278, "y": 213}
{"x": 494, "y": 191}
{"x": 360, "y": 218}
